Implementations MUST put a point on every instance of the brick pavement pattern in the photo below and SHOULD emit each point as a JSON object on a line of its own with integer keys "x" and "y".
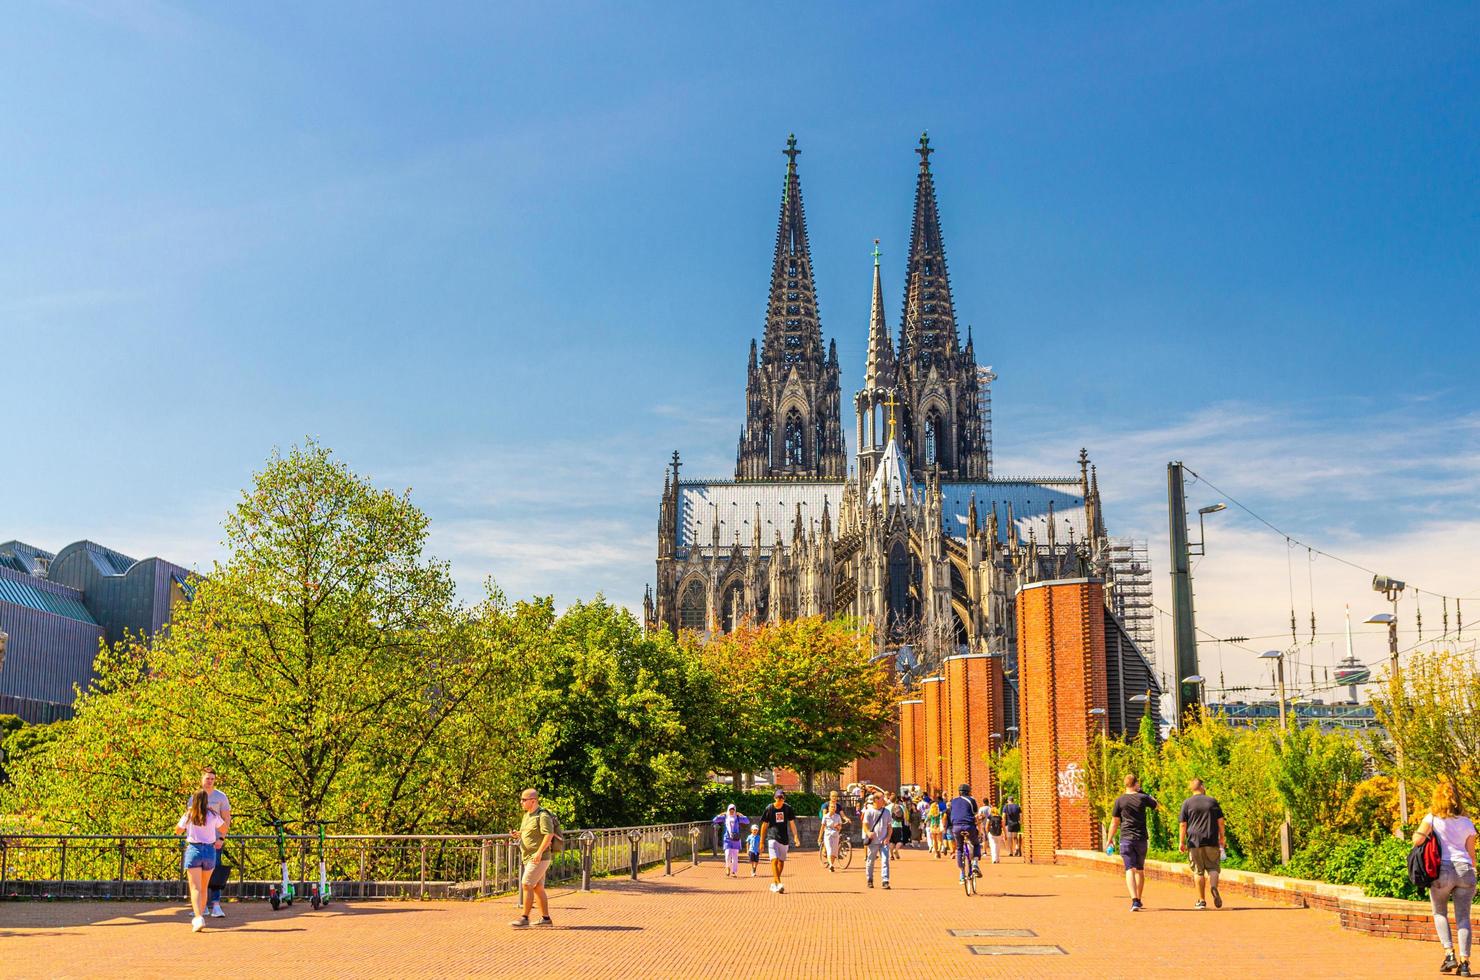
{"x": 699, "y": 923}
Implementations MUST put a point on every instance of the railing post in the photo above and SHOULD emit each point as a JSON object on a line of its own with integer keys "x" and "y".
{"x": 516, "y": 868}
{"x": 668, "y": 852}
{"x": 483, "y": 850}
{"x": 635, "y": 836}
{"x": 588, "y": 841}
{"x": 694, "y": 844}
{"x": 122, "y": 848}
{"x": 364, "y": 879}
{"x": 4, "y": 864}
{"x": 62, "y": 884}
{"x": 423, "y": 870}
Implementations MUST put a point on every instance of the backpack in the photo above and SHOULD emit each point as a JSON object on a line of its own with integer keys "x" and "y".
{"x": 994, "y": 825}
{"x": 558, "y": 835}
{"x": 1423, "y": 860}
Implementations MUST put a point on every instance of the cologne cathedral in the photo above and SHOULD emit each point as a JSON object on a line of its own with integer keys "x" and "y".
{"x": 919, "y": 539}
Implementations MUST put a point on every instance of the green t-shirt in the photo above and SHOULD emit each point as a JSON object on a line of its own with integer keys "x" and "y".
{"x": 533, "y": 830}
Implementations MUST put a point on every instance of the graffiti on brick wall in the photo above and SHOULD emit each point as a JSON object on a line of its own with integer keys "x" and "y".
{"x": 1072, "y": 782}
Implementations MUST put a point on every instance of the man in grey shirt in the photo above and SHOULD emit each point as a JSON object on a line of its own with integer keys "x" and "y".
{"x": 221, "y": 806}
{"x": 876, "y": 824}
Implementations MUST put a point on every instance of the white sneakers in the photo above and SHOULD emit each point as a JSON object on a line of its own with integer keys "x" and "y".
{"x": 778, "y": 888}
{"x": 197, "y": 924}
{"x": 216, "y": 912}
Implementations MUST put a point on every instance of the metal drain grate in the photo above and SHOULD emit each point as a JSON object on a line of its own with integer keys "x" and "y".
{"x": 994, "y": 933}
{"x": 1005, "y": 950}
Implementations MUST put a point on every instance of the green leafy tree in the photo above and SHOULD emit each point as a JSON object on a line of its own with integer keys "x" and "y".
{"x": 1432, "y": 713}
{"x": 621, "y": 724}
{"x": 324, "y": 670}
{"x": 823, "y": 699}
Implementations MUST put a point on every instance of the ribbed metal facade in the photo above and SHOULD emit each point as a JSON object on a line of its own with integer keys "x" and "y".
{"x": 56, "y": 620}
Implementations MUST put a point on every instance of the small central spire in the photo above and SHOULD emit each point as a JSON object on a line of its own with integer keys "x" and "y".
{"x": 876, "y": 253}
{"x": 791, "y": 151}
{"x": 924, "y": 150}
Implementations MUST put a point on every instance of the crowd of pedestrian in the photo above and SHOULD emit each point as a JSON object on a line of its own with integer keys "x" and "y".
{"x": 923, "y": 818}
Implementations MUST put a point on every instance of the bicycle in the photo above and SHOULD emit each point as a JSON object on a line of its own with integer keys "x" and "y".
{"x": 967, "y": 862}
{"x": 845, "y": 853}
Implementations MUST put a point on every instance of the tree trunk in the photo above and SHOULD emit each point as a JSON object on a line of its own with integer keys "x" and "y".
{"x": 737, "y": 781}
{"x": 807, "y": 781}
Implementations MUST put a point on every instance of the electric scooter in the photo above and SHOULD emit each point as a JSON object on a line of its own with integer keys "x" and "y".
{"x": 319, "y": 893}
{"x": 281, "y": 894}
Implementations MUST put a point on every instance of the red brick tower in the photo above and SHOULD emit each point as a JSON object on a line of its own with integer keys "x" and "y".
{"x": 974, "y": 703}
{"x": 911, "y": 741}
{"x": 932, "y": 766}
{"x": 1061, "y": 668}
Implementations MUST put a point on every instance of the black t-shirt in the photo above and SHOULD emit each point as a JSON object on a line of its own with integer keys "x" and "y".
{"x": 1201, "y": 814}
{"x": 778, "y": 822}
{"x": 1013, "y": 814}
{"x": 1131, "y": 809}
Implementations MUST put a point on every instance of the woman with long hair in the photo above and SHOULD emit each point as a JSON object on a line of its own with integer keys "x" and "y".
{"x": 1455, "y": 832}
{"x": 199, "y": 824}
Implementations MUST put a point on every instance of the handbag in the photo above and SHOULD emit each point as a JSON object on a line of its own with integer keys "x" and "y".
{"x": 1423, "y": 861}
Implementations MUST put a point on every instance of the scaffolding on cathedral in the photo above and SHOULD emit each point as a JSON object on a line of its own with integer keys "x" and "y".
{"x": 1130, "y": 593}
{"x": 984, "y": 378}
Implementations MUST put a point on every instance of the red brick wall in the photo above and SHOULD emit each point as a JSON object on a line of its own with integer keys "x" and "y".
{"x": 932, "y": 766}
{"x": 974, "y": 700}
{"x": 1061, "y": 675}
{"x": 882, "y": 768}
{"x": 911, "y": 740}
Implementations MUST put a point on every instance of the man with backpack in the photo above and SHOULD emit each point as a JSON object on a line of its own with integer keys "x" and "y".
{"x": 539, "y": 835}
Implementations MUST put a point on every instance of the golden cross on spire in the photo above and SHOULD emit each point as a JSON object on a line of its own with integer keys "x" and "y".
{"x": 890, "y": 404}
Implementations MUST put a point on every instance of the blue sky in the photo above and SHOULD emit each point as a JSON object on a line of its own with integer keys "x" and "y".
{"x": 511, "y": 256}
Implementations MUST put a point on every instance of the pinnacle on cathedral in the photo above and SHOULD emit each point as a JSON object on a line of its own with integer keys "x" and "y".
{"x": 793, "y": 424}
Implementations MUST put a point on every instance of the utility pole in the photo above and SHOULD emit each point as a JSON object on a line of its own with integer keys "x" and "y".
{"x": 1184, "y": 631}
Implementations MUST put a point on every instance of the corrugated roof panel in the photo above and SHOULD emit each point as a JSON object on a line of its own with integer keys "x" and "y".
{"x": 22, "y": 593}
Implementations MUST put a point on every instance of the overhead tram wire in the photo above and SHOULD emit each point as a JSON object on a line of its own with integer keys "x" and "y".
{"x": 1291, "y": 538}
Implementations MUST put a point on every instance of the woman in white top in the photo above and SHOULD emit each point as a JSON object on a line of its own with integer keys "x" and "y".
{"x": 832, "y": 832}
{"x": 1456, "y": 835}
{"x": 199, "y": 824}
{"x": 985, "y": 816}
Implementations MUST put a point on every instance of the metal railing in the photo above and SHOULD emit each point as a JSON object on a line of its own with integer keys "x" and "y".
{"x": 135, "y": 866}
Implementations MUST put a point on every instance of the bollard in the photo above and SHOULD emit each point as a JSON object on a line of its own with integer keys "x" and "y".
{"x": 587, "y": 841}
{"x": 635, "y": 836}
{"x": 694, "y": 845}
{"x": 668, "y": 852}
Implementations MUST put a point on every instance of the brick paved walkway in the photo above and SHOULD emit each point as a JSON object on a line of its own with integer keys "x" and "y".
{"x": 698, "y": 923}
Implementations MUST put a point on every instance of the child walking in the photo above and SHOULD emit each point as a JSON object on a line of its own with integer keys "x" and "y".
{"x": 753, "y": 847}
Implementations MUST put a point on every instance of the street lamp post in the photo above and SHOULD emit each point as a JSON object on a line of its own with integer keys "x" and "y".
{"x": 1391, "y": 588}
{"x": 1101, "y": 719}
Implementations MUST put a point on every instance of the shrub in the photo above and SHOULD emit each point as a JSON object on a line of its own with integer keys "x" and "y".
{"x": 1345, "y": 861}
{"x": 1384, "y": 874}
{"x": 753, "y": 803}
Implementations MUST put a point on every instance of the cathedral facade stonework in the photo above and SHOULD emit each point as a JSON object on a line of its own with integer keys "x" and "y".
{"x": 919, "y": 539}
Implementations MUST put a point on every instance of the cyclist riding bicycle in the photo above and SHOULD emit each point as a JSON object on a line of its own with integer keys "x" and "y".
{"x": 961, "y": 819}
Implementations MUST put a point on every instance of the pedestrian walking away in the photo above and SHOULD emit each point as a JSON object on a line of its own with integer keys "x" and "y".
{"x": 933, "y": 832}
{"x": 1129, "y": 815}
{"x": 221, "y": 807}
{"x": 961, "y": 818}
{"x": 989, "y": 825}
{"x": 1012, "y": 827}
{"x": 780, "y": 821}
{"x": 538, "y": 833}
{"x": 1200, "y": 836}
{"x": 1455, "y": 832}
{"x": 753, "y": 847}
{"x": 200, "y": 825}
{"x": 878, "y": 825}
{"x": 731, "y": 826}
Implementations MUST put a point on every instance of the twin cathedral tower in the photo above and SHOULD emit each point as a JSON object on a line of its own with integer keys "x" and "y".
{"x": 920, "y": 539}
{"x": 793, "y": 423}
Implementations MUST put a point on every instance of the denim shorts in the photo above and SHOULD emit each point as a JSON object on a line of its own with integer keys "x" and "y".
{"x": 200, "y": 856}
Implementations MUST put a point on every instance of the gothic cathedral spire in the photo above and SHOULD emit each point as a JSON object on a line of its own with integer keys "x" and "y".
{"x": 878, "y": 383}
{"x": 792, "y": 423}
{"x": 942, "y": 429}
